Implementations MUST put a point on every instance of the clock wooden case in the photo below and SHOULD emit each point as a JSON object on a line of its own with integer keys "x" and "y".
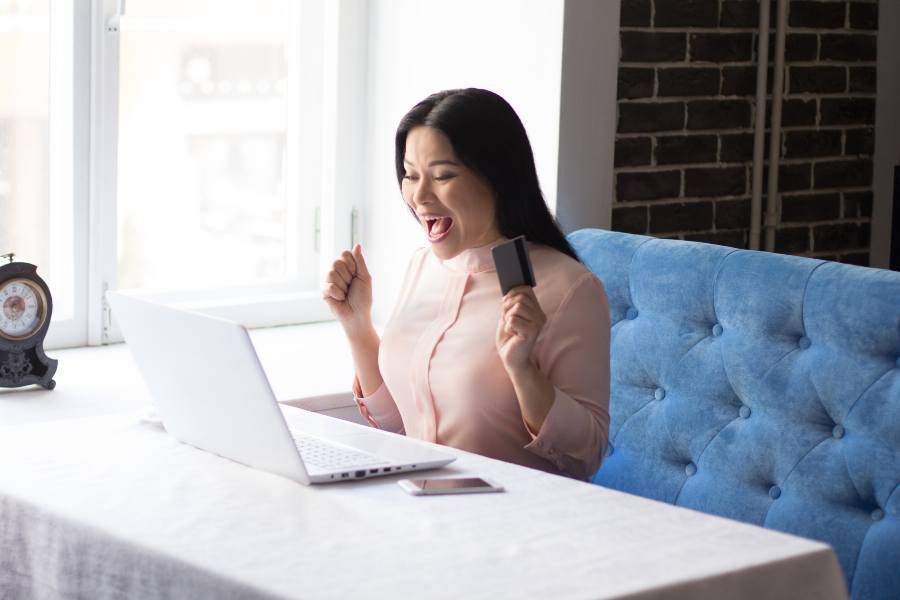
{"x": 25, "y": 310}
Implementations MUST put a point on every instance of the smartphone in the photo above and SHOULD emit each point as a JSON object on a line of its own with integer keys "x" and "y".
{"x": 454, "y": 485}
{"x": 513, "y": 265}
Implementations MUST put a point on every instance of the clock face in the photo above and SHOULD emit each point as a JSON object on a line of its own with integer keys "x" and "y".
{"x": 22, "y": 309}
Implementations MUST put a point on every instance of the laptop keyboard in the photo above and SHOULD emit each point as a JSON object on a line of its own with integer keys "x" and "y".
{"x": 325, "y": 456}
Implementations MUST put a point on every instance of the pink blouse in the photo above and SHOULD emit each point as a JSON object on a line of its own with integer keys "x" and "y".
{"x": 444, "y": 381}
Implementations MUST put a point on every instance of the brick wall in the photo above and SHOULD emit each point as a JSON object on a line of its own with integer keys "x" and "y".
{"x": 684, "y": 143}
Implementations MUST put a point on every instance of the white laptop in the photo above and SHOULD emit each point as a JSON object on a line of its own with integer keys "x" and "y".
{"x": 211, "y": 392}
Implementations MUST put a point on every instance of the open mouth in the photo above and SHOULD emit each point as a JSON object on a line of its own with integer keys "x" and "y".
{"x": 438, "y": 228}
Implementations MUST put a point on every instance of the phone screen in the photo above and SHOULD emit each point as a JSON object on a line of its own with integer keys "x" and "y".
{"x": 450, "y": 484}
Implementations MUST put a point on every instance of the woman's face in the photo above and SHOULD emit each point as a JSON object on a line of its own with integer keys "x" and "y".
{"x": 454, "y": 205}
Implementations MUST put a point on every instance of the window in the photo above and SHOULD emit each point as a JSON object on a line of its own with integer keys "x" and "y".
{"x": 202, "y": 156}
{"x": 24, "y": 128}
{"x": 182, "y": 151}
{"x": 37, "y": 203}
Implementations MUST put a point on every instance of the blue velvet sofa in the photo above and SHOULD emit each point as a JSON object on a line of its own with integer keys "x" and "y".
{"x": 760, "y": 387}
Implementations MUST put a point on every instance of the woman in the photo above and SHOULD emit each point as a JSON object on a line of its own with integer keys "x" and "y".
{"x": 523, "y": 377}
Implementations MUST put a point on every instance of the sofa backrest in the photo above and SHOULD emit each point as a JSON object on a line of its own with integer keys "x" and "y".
{"x": 760, "y": 387}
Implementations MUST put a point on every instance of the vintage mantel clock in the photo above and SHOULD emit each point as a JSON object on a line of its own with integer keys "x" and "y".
{"x": 25, "y": 309}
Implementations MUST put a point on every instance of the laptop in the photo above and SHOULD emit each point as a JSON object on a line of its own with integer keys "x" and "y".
{"x": 211, "y": 392}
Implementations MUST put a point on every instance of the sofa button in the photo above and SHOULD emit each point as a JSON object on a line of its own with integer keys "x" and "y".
{"x": 804, "y": 343}
{"x": 717, "y": 330}
{"x": 631, "y": 313}
{"x": 745, "y": 412}
{"x": 774, "y": 492}
{"x": 610, "y": 450}
{"x": 838, "y": 432}
{"x": 659, "y": 393}
{"x": 877, "y": 514}
{"x": 690, "y": 469}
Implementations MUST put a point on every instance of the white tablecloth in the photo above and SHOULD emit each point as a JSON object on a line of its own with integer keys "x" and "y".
{"x": 113, "y": 508}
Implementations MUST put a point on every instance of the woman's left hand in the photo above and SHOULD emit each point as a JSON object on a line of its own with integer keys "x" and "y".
{"x": 521, "y": 320}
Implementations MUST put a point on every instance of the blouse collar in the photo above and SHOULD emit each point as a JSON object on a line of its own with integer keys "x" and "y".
{"x": 474, "y": 260}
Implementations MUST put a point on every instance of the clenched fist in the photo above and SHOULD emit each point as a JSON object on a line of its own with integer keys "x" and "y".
{"x": 348, "y": 290}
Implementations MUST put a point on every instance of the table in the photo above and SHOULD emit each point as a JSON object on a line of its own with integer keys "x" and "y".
{"x": 113, "y": 507}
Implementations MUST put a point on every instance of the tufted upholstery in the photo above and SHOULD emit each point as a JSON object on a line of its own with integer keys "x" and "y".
{"x": 756, "y": 386}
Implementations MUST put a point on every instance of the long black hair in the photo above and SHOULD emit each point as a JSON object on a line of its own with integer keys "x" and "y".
{"x": 488, "y": 137}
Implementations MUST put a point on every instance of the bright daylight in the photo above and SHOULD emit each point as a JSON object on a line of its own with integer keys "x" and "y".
{"x": 483, "y": 299}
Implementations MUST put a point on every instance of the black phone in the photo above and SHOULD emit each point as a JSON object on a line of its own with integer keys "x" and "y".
{"x": 513, "y": 265}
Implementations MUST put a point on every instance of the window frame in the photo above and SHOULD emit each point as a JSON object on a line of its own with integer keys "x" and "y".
{"x": 68, "y": 149}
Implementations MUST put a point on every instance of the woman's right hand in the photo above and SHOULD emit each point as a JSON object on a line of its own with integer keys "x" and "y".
{"x": 348, "y": 290}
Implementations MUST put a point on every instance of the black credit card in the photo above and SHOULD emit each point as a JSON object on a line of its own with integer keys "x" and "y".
{"x": 513, "y": 264}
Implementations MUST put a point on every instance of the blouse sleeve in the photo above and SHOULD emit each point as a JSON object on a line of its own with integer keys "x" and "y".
{"x": 379, "y": 409}
{"x": 574, "y": 355}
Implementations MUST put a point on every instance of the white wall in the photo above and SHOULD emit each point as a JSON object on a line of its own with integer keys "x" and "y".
{"x": 512, "y": 47}
{"x": 587, "y": 120}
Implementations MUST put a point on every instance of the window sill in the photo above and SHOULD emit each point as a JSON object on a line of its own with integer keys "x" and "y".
{"x": 309, "y": 366}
